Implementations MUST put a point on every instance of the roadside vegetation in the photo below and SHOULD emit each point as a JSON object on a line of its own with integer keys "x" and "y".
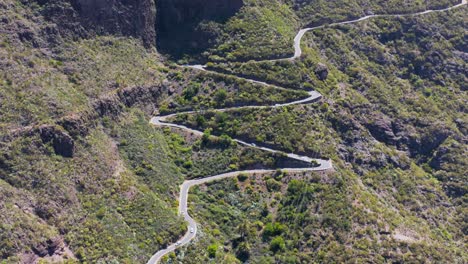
{"x": 321, "y": 12}
{"x": 194, "y": 89}
{"x": 393, "y": 77}
{"x": 289, "y": 128}
{"x": 296, "y": 218}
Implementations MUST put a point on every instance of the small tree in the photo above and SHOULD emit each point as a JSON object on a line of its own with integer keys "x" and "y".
{"x": 225, "y": 140}
{"x": 201, "y": 121}
{"x": 243, "y": 251}
{"x": 242, "y": 177}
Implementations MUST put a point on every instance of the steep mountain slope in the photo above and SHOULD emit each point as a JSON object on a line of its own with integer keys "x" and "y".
{"x": 85, "y": 178}
{"x": 403, "y": 80}
{"x": 387, "y": 119}
{"x": 320, "y": 12}
{"x": 81, "y": 170}
{"x": 260, "y": 29}
{"x": 286, "y": 218}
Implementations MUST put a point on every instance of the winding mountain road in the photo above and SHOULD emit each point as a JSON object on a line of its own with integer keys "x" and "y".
{"x": 313, "y": 96}
{"x": 300, "y": 34}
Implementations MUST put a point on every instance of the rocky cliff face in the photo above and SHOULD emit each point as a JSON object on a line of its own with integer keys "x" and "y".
{"x": 177, "y": 22}
{"x": 83, "y": 18}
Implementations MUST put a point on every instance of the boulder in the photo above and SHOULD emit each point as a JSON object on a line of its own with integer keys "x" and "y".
{"x": 51, "y": 247}
{"x": 77, "y": 124}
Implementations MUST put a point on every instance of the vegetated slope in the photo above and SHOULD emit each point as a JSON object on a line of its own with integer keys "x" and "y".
{"x": 268, "y": 25}
{"x": 206, "y": 90}
{"x": 393, "y": 122}
{"x": 82, "y": 172}
{"x": 317, "y": 12}
{"x": 301, "y": 218}
{"x": 401, "y": 79}
{"x": 260, "y": 29}
{"x": 67, "y": 190}
{"x": 83, "y": 176}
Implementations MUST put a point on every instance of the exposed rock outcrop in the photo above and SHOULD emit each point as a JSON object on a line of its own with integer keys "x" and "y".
{"x": 53, "y": 250}
{"x": 321, "y": 71}
{"x": 381, "y": 128}
{"x": 83, "y": 18}
{"x": 61, "y": 141}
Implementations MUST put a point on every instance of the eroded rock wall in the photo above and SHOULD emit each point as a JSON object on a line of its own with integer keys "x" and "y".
{"x": 84, "y": 18}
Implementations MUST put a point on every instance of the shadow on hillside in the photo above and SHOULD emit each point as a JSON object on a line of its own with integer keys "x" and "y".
{"x": 189, "y": 27}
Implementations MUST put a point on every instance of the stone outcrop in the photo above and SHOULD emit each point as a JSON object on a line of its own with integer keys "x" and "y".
{"x": 381, "y": 128}
{"x": 61, "y": 141}
{"x": 64, "y": 131}
{"x": 321, "y": 71}
{"x": 83, "y": 18}
{"x": 53, "y": 250}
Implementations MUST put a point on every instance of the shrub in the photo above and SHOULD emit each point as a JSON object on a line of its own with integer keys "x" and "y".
{"x": 273, "y": 229}
{"x": 220, "y": 96}
{"x": 242, "y": 177}
{"x": 273, "y": 185}
{"x": 212, "y": 250}
{"x": 277, "y": 244}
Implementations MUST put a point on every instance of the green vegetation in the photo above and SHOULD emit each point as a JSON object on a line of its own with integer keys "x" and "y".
{"x": 317, "y": 218}
{"x": 392, "y": 119}
{"x": 297, "y": 75}
{"x": 203, "y": 90}
{"x": 320, "y": 12}
{"x": 261, "y": 29}
{"x": 36, "y": 89}
{"x": 391, "y": 112}
{"x": 290, "y": 129}
{"x": 210, "y": 155}
{"x": 265, "y": 29}
{"x": 114, "y": 199}
{"x": 392, "y": 83}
